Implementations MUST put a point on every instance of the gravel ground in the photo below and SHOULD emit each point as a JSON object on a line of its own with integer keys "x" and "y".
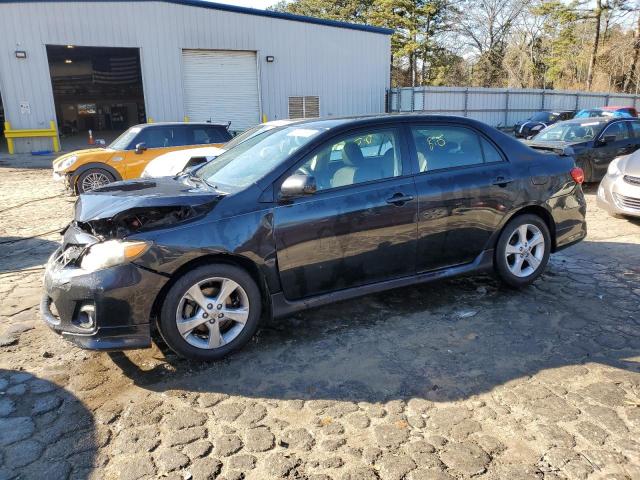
{"x": 457, "y": 379}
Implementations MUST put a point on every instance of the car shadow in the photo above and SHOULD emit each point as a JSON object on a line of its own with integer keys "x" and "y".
{"x": 46, "y": 432}
{"x": 442, "y": 341}
{"x": 19, "y": 253}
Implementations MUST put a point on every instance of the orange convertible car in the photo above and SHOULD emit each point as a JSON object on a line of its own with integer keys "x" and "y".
{"x": 126, "y": 157}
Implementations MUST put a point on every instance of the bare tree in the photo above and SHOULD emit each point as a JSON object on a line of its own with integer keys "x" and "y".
{"x": 634, "y": 61}
{"x": 597, "y": 15}
{"x": 485, "y": 26}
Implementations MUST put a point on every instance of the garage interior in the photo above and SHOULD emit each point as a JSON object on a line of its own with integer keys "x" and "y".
{"x": 97, "y": 89}
{"x": 3, "y": 141}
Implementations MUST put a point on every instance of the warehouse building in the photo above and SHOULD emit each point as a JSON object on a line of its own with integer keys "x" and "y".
{"x": 107, "y": 65}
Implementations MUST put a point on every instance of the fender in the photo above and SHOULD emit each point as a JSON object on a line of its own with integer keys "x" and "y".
{"x": 73, "y": 177}
{"x": 493, "y": 240}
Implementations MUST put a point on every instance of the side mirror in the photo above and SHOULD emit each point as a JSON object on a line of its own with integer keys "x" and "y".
{"x": 607, "y": 139}
{"x": 141, "y": 147}
{"x": 298, "y": 185}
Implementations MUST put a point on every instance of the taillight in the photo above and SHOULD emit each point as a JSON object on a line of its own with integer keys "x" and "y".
{"x": 577, "y": 174}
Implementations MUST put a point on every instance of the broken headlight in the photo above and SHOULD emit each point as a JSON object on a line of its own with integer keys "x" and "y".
{"x": 112, "y": 252}
{"x": 66, "y": 163}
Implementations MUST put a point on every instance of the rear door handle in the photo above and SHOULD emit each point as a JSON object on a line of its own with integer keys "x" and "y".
{"x": 502, "y": 181}
{"x": 399, "y": 199}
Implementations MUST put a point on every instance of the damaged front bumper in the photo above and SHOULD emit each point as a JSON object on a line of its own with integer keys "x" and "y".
{"x": 108, "y": 309}
{"x": 64, "y": 178}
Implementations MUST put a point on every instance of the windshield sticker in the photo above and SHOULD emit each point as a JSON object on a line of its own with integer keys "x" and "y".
{"x": 589, "y": 124}
{"x": 436, "y": 141}
{"x": 303, "y": 132}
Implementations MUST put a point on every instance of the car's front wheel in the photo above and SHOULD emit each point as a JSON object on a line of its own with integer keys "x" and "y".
{"x": 210, "y": 312}
{"x": 93, "y": 178}
{"x": 523, "y": 250}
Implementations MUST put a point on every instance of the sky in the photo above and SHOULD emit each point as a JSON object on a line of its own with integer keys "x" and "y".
{"x": 249, "y": 3}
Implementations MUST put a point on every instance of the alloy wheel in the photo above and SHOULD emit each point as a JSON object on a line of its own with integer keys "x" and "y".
{"x": 94, "y": 180}
{"x": 212, "y": 313}
{"x": 525, "y": 250}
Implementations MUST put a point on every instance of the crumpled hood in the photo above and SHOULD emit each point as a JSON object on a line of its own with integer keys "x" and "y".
{"x": 568, "y": 147}
{"x": 118, "y": 197}
{"x": 630, "y": 164}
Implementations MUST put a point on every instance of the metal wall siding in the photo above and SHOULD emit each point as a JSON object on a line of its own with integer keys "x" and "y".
{"x": 496, "y": 106}
{"x": 347, "y": 69}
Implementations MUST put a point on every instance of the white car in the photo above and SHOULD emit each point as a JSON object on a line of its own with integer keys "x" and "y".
{"x": 619, "y": 190}
{"x": 172, "y": 163}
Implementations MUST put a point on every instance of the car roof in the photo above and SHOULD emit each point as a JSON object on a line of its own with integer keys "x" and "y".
{"x": 331, "y": 122}
{"x": 611, "y": 107}
{"x": 598, "y": 119}
{"x": 164, "y": 124}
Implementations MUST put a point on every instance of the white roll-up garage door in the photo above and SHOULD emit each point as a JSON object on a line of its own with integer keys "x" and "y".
{"x": 221, "y": 86}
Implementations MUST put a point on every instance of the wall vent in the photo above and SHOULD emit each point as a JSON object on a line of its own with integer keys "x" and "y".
{"x": 304, "y": 107}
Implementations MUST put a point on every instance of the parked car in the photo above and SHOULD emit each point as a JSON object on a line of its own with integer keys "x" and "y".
{"x": 127, "y": 155}
{"x": 619, "y": 190}
{"x": 595, "y": 141}
{"x": 610, "y": 111}
{"x": 532, "y": 125}
{"x": 621, "y": 111}
{"x": 304, "y": 215}
{"x": 173, "y": 163}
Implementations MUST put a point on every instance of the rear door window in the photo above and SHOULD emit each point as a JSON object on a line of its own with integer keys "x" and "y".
{"x": 617, "y": 129}
{"x": 440, "y": 147}
{"x": 200, "y": 135}
{"x": 635, "y": 128}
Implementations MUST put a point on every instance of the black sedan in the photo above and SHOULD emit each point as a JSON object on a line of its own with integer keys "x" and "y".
{"x": 537, "y": 122}
{"x": 307, "y": 214}
{"x": 594, "y": 142}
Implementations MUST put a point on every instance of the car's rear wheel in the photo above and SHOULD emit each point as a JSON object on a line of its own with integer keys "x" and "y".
{"x": 523, "y": 250}
{"x": 587, "y": 168}
{"x": 93, "y": 178}
{"x": 210, "y": 312}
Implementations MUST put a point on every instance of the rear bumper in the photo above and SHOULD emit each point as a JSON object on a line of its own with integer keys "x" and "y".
{"x": 119, "y": 300}
{"x": 569, "y": 213}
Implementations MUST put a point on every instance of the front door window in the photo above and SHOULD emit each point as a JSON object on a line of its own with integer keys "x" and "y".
{"x": 352, "y": 159}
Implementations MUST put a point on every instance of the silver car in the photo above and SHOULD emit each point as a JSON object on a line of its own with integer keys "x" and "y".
{"x": 619, "y": 190}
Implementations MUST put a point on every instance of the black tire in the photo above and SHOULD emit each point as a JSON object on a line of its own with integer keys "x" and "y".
{"x": 587, "y": 168}
{"x": 502, "y": 264}
{"x": 87, "y": 174}
{"x": 167, "y": 323}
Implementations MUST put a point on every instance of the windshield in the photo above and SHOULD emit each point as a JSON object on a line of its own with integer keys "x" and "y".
{"x": 542, "y": 117}
{"x": 570, "y": 132}
{"x": 247, "y": 134}
{"x": 590, "y": 113}
{"x": 124, "y": 140}
{"x": 252, "y": 159}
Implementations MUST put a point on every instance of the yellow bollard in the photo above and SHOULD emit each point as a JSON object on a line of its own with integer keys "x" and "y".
{"x": 7, "y": 128}
{"x": 149, "y": 120}
{"x": 52, "y": 132}
{"x": 56, "y": 139}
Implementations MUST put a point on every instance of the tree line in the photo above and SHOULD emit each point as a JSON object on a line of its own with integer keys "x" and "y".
{"x": 591, "y": 45}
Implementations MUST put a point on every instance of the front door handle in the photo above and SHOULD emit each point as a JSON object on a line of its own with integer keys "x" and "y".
{"x": 502, "y": 181}
{"x": 399, "y": 199}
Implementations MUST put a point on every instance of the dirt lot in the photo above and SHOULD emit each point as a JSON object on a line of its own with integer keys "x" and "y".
{"x": 457, "y": 379}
